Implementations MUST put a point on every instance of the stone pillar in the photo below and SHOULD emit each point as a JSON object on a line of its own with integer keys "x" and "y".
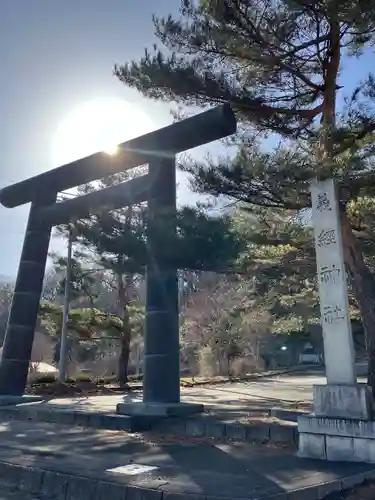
{"x": 332, "y": 282}
{"x": 322, "y": 434}
{"x": 161, "y": 361}
{"x": 19, "y": 336}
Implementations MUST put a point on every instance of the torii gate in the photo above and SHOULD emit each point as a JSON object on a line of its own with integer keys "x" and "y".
{"x": 158, "y": 149}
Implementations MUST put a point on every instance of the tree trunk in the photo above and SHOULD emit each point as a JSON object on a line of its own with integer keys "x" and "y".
{"x": 363, "y": 285}
{"x": 123, "y": 361}
{"x": 362, "y": 281}
{"x": 123, "y": 312}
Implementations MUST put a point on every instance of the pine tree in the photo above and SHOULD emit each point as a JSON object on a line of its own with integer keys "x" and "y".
{"x": 279, "y": 65}
{"x": 116, "y": 241}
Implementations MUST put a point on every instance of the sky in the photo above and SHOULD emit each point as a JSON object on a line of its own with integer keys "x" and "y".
{"x": 56, "y": 56}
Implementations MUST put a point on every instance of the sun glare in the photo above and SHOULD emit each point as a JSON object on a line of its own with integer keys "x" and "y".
{"x": 111, "y": 150}
{"x": 98, "y": 125}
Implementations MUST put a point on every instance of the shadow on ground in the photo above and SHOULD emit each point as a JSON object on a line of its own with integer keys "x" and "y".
{"x": 229, "y": 403}
{"x": 236, "y": 470}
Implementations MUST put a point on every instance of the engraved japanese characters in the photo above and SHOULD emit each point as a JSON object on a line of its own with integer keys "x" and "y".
{"x": 334, "y": 308}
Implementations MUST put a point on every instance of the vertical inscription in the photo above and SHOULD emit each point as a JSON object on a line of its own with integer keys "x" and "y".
{"x": 334, "y": 308}
{"x": 333, "y": 314}
{"x": 323, "y": 203}
{"x": 329, "y": 274}
{"x": 326, "y": 237}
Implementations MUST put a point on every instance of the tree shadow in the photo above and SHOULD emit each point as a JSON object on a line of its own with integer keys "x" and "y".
{"x": 240, "y": 470}
{"x": 247, "y": 470}
{"x": 225, "y": 407}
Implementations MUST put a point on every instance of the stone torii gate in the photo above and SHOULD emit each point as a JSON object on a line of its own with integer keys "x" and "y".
{"x": 158, "y": 149}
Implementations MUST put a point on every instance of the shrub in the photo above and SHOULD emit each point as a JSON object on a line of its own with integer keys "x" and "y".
{"x": 242, "y": 366}
{"x": 43, "y": 378}
{"x": 80, "y": 377}
{"x": 206, "y": 362}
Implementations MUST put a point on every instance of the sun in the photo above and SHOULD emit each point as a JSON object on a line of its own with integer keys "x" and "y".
{"x": 98, "y": 125}
{"x": 111, "y": 150}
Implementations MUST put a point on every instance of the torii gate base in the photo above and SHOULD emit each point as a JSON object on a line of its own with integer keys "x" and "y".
{"x": 161, "y": 393}
{"x": 161, "y": 384}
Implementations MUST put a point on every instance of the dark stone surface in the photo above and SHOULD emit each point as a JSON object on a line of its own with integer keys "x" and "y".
{"x": 296, "y": 437}
{"x": 72, "y": 417}
{"x": 195, "y": 428}
{"x": 64, "y": 417}
{"x": 199, "y": 426}
{"x": 81, "y": 418}
{"x": 161, "y": 381}
{"x": 172, "y": 425}
{"x": 290, "y": 415}
{"x": 258, "y": 432}
{"x": 200, "y": 129}
{"x": 30, "y": 480}
{"x": 110, "y": 491}
{"x": 15, "y": 400}
{"x": 128, "y": 193}
{"x": 281, "y": 433}
{"x": 96, "y": 420}
{"x": 54, "y": 485}
{"x": 326, "y": 489}
{"x": 236, "y": 431}
{"x": 167, "y": 495}
{"x": 352, "y": 480}
{"x": 23, "y": 314}
{"x": 215, "y": 430}
{"x": 143, "y": 494}
{"x": 80, "y": 487}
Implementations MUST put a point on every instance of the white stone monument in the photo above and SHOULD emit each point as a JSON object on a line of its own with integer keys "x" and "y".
{"x": 342, "y": 407}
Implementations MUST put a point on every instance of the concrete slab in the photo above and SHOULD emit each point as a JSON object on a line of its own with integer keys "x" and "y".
{"x": 16, "y": 400}
{"x": 159, "y": 409}
{"x": 73, "y": 463}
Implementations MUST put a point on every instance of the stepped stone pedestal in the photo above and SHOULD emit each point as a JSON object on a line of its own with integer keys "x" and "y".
{"x": 341, "y": 427}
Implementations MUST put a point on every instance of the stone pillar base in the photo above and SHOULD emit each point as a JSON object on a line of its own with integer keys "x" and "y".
{"x": 159, "y": 410}
{"x": 341, "y": 428}
{"x": 343, "y": 401}
{"x": 334, "y": 439}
